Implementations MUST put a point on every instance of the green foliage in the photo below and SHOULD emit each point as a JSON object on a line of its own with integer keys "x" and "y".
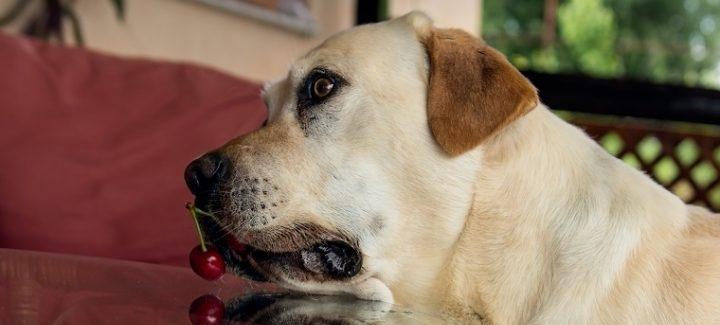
{"x": 590, "y": 43}
{"x": 672, "y": 41}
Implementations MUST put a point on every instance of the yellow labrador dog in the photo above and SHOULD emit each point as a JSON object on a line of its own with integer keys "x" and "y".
{"x": 411, "y": 164}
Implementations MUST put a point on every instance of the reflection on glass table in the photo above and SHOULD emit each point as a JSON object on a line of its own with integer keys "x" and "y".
{"x": 42, "y": 288}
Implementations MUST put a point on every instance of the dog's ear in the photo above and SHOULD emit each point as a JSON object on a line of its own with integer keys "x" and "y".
{"x": 473, "y": 91}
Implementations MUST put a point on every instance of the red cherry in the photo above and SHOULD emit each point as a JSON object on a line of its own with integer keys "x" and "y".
{"x": 208, "y": 264}
{"x": 235, "y": 244}
{"x": 207, "y": 310}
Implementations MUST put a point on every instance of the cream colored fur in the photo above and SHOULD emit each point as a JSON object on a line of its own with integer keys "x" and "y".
{"x": 537, "y": 225}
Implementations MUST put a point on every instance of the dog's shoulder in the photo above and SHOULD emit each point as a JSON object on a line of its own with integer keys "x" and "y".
{"x": 695, "y": 269}
{"x": 703, "y": 222}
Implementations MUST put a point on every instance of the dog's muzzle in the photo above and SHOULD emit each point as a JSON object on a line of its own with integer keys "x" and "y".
{"x": 301, "y": 251}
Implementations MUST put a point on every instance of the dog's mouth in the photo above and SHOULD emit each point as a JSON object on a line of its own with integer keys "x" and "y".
{"x": 300, "y": 253}
{"x": 328, "y": 260}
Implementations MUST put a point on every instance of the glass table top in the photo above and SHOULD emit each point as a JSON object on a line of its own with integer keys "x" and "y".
{"x": 44, "y": 288}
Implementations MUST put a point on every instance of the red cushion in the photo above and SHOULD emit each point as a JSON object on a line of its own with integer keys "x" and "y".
{"x": 93, "y": 148}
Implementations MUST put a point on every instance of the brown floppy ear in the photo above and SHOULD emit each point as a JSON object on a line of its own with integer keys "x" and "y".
{"x": 473, "y": 90}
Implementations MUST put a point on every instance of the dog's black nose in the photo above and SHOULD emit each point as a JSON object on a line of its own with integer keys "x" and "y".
{"x": 205, "y": 172}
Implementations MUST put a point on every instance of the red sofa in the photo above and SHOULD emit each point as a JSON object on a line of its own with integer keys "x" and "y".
{"x": 93, "y": 148}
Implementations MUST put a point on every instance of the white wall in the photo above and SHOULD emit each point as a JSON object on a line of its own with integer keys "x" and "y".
{"x": 187, "y": 31}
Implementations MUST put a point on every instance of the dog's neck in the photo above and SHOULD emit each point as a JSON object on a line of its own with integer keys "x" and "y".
{"x": 548, "y": 223}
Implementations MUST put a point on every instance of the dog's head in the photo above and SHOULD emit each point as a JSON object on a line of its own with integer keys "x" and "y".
{"x": 363, "y": 175}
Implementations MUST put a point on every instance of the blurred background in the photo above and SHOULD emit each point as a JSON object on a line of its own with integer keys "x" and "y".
{"x": 641, "y": 77}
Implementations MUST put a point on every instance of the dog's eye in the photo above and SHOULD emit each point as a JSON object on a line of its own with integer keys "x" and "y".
{"x": 318, "y": 86}
{"x": 322, "y": 87}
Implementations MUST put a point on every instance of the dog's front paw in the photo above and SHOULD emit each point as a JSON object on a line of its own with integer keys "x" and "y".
{"x": 372, "y": 289}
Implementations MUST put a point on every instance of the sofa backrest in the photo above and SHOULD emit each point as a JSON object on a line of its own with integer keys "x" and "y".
{"x": 93, "y": 148}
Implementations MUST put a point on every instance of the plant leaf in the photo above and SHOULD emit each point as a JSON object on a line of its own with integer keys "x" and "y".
{"x": 53, "y": 19}
{"x": 14, "y": 12}
{"x": 75, "y": 23}
{"x": 119, "y": 6}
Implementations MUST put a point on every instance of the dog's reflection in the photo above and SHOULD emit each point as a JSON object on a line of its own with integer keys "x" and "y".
{"x": 302, "y": 309}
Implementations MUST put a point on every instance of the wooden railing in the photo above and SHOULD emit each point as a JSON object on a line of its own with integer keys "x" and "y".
{"x": 684, "y": 158}
{"x": 671, "y": 132}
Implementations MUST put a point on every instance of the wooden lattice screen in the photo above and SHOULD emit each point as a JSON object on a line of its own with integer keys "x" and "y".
{"x": 684, "y": 158}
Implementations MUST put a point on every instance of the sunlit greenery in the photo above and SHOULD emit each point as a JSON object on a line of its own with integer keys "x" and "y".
{"x": 670, "y": 41}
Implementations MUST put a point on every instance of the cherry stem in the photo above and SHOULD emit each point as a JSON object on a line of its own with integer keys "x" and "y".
{"x": 194, "y": 214}
{"x": 203, "y": 213}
